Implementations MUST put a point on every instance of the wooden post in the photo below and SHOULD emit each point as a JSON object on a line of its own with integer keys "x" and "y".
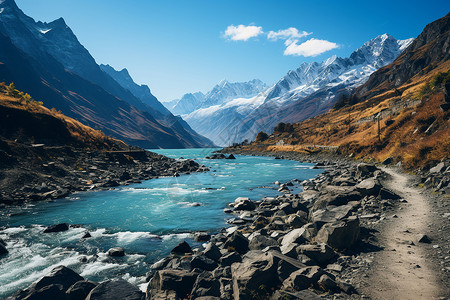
{"x": 379, "y": 130}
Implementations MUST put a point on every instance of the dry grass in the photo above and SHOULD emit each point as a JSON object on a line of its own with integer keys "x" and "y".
{"x": 403, "y": 131}
{"x": 83, "y": 135}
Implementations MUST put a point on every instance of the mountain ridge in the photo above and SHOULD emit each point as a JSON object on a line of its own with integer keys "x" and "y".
{"x": 307, "y": 91}
{"x": 57, "y": 64}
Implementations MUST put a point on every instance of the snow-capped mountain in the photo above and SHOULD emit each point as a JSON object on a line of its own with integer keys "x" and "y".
{"x": 220, "y": 94}
{"x": 302, "y": 93}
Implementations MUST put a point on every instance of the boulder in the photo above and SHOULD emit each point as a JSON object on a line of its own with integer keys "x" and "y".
{"x": 286, "y": 265}
{"x": 179, "y": 281}
{"x": 182, "y": 248}
{"x": 365, "y": 170}
{"x": 231, "y": 156}
{"x": 116, "y": 252}
{"x": 295, "y": 221}
{"x": 229, "y": 259}
{"x": 57, "y": 228}
{"x": 327, "y": 284}
{"x": 203, "y": 262}
{"x": 295, "y": 236}
{"x": 369, "y": 187}
{"x": 438, "y": 168}
{"x": 115, "y": 289}
{"x": 80, "y": 290}
{"x": 303, "y": 278}
{"x": 3, "y": 249}
{"x": 260, "y": 242}
{"x": 52, "y": 286}
{"x": 244, "y": 204}
{"x": 213, "y": 252}
{"x": 340, "y": 235}
{"x": 321, "y": 253}
{"x": 423, "y": 238}
{"x": 202, "y": 237}
{"x": 205, "y": 286}
{"x": 255, "y": 275}
{"x": 330, "y": 214}
{"x": 237, "y": 242}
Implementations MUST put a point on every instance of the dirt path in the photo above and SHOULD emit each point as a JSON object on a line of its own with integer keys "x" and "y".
{"x": 401, "y": 270}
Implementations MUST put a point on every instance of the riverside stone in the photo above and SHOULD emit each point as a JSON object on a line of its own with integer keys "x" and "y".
{"x": 213, "y": 252}
{"x": 115, "y": 289}
{"x": 340, "y": 235}
{"x": 205, "y": 286}
{"x": 57, "y": 228}
{"x": 321, "y": 253}
{"x": 80, "y": 290}
{"x": 182, "y": 248}
{"x": 257, "y": 269}
{"x": 179, "y": 281}
{"x": 237, "y": 242}
{"x": 116, "y": 252}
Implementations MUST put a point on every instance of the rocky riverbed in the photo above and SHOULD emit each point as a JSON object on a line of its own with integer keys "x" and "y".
{"x": 44, "y": 173}
{"x": 318, "y": 244}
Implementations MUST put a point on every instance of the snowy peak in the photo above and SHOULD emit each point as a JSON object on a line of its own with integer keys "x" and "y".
{"x": 379, "y": 51}
{"x": 220, "y": 94}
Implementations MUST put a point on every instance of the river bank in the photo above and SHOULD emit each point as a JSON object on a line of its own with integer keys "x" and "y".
{"x": 321, "y": 243}
{"x": 38, "y": 172}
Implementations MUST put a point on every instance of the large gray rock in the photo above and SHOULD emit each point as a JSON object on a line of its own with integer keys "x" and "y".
{"x": 57, "y": 228}
{"x": 51, "y": 286}
{"x": 244, "y": 204}
{"x": 80, "y": 290}
{"x": 213, "y": 252}
{"x": 116, "y": 252}
{"x": 365, "y": 170}
{"x": 260, "y": 242}
{"x": 179, "y": 281}
{"x": 369, "y": 187}
{"x": 237, "y": 242}
{"x": 295, "y": 236}
{"x": 229, "y": 259}
{"x": 205, "y": 285}
{"x": 203, "y": 262}
{"x": 438, "y": 168}
{"x": 3, "y": 249}
{"x": 303, "y": 278}
{"x": 254, "y": 275}
{"x": 340, "y": 235}
{"x": 329, "y": 215}
{"x": 322, "y": 253}
{"x": 115, "y": 289}
{"x": 182, "y": 248}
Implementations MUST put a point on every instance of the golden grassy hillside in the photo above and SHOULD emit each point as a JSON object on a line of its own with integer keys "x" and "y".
{"x": 405, "y": 123}
{"x": 23, "y": 116}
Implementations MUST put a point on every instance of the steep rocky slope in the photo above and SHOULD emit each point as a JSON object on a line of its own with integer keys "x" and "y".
{"x": 47, "y": 61}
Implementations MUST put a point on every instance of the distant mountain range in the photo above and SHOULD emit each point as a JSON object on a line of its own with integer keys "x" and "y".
{"x": 310, "y": 90}
{"x": 400, "y": 114}
{"x": 47, "y": 61}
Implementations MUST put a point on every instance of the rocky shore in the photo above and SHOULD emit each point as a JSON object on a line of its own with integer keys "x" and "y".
{"x": 318, "y": 244}
{"x": 44, "y": 173}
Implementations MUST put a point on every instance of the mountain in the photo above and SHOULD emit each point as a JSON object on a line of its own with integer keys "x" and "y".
{"x": 401, "y": 112}
{"x": 310, "y": 90}
{"x": 141, "y": 92}
{"x": 47, "y": 61}
{"x": 220, "y": 94}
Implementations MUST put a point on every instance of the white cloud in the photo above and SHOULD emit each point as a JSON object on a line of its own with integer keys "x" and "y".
{"x": 287, "y": 34}
{"x": 242, "y": 32}
{"x": 312, "y": 47}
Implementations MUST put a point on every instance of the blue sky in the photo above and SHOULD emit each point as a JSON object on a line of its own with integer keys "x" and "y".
{"x": 181, "y": 46}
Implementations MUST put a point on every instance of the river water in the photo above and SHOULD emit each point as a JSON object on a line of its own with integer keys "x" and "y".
{"x": 146, "y": 219}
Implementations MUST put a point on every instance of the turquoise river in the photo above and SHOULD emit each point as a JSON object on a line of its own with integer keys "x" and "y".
{"x": 146, "y": 219}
